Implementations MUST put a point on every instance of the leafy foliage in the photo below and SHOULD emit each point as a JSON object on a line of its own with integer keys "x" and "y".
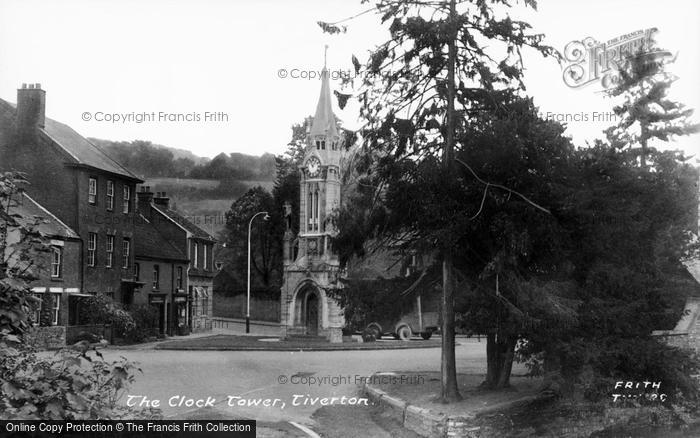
{"x": 71, "y": 384}
{"x": 646, "y": 114}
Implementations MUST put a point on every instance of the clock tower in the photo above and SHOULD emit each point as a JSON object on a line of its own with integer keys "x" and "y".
{"x": 310, "y": 266}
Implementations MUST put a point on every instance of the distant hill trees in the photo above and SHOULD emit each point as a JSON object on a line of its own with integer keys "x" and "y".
{"x": 156, "y": 161}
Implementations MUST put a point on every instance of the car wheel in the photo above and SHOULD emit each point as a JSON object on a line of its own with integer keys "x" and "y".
{"x": 374, "y": 329}
{"x": 426, "y": 335}
{"x": 404, "y": 333}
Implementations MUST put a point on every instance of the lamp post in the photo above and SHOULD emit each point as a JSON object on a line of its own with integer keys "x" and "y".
{"x": 247, "y": 312}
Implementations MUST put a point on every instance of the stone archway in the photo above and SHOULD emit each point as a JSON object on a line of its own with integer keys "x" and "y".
{"x": 307, "y": 310}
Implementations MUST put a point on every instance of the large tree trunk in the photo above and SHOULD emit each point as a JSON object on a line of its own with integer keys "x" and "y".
{"x": 500, "y": 352}
{"x": 449, "y": 390}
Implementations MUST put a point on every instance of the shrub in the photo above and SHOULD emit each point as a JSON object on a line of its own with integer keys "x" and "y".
{"x": 145, "y": 319}
{"x": 74, "y": 384}
{"x": 101, "y": 309}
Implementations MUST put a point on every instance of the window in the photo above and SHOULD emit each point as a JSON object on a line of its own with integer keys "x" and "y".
{"x": 318, "y": 144}
{"x": 92, "y": 191}
{"x": 126, "y": 204}
{"x": 55, "y": 307}
{"x": 312, "y": 208}
{"x": 126, "y": 252}
{"x": 179, "y": 277}
{"x": 36, "y": 315}
{"x": 110, "y": 195}
{"x": 205, "y": 301}
{"x": 411, "y": 265}
{"x": 56, "y": 261}
{"x": 137, "y": 271}
{"x": 196, "y": 254}
{"x": 204, "y": 254}
{"x": 92, "y": 246}
{"x": 110, "y": 251}
{"x": 156, "y": 277}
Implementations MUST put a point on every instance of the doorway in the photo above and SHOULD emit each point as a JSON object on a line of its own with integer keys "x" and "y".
{"x": 311, "y": 317}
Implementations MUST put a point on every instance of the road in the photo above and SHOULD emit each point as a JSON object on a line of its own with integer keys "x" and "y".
{"x": 256, "y": 376}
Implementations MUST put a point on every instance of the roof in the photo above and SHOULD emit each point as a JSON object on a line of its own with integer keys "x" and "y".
{"x": 49, "y": 225}
{"x": 80, "y": 150}
{"x": 324, "y": 120}
{"x": 183, "y": 222}
{"x": 152, "y": 244}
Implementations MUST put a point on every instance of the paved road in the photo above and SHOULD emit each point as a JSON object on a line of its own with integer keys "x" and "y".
{"x": 267, "y": 375}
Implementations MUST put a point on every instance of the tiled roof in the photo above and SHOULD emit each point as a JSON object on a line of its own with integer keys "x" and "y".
{"x": 151, "y": 243}
{"x": 78, "y": 148}
{"x": 184, "y": 223}
{"x": 49, "y": 225}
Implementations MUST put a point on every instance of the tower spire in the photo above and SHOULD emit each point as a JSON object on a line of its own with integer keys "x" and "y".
{"x": 324, "y": 123}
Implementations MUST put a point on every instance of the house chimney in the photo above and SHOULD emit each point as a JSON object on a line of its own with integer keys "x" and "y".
{"x": 144, "y": 197}
{"x": 162, "y": 200}
{"x": 31, "y": 107}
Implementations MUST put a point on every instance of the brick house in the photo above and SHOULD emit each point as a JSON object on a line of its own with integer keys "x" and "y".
{"x": 161, "y": 273}
{"x": 80, "y": 185}
{"x": 198, "y": 247}
{"x": 57, "y": 269}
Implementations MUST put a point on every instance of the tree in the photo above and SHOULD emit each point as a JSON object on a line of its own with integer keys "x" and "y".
{"x": 266, "y": 246}
{"x": 265, "y": 238}
{"x": 512, "y": 261}
{"x": 629, "y": 232}
{"x": 417, "y": 82}
{"x": 646, "y": 113}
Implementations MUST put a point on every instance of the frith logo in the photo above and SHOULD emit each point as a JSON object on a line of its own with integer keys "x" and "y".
{"x": 589, "y": 61}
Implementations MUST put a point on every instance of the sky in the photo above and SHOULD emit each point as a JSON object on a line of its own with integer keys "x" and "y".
{"x": 236, "y": 74}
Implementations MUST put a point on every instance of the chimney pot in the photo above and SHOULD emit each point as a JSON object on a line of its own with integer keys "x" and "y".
{"x": 31, "y": 106}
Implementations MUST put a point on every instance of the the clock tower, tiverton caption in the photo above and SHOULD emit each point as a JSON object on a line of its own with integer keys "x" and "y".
{"x": 310, "y": 266}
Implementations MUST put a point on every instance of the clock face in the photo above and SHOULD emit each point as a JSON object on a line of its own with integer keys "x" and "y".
{"x": 314, "y": 166}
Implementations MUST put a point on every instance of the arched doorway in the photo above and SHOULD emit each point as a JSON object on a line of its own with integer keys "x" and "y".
{"x": 311, "y": 313}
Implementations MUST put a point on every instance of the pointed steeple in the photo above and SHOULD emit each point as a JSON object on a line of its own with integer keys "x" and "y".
{"x": 324, "y": 120}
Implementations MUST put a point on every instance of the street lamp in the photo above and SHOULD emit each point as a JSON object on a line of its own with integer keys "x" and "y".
{"x": 247, "y": 312}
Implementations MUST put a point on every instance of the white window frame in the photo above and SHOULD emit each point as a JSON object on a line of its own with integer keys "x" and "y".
{"x": 109, "y": 246}
{"x": 110, "y": 195}
{"x": 126, "y": 201}
{"x": 196, "y": 254}
{"x": 179, "y": 277}
{"x": 92, "y": 249}
{"x": 36, "y": 316}
{"x": 204, "y": 257}
{"x": 156, "y": 277}
{"x": 56, "y": 307}
{"x": 56, "y": 261}
{"x": 92, "y": 191}
{"x": 205, "y": 302}
{"x": 126, "y": 252}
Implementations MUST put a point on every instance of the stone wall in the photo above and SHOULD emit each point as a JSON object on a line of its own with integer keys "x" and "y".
{"x": 686, "y": 334}
{"x": 422, "y": 421}
{"x": 47, "y": 338}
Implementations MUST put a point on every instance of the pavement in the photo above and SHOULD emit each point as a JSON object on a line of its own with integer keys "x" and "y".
{"x": 277, "y": 388}
{"x": 266, "y": 343}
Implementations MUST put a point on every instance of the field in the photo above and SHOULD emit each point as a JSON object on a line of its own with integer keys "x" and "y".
{"x": 204, "y": 201}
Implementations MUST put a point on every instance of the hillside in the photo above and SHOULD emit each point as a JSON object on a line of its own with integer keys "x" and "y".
{"x": 201, "y": 188}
